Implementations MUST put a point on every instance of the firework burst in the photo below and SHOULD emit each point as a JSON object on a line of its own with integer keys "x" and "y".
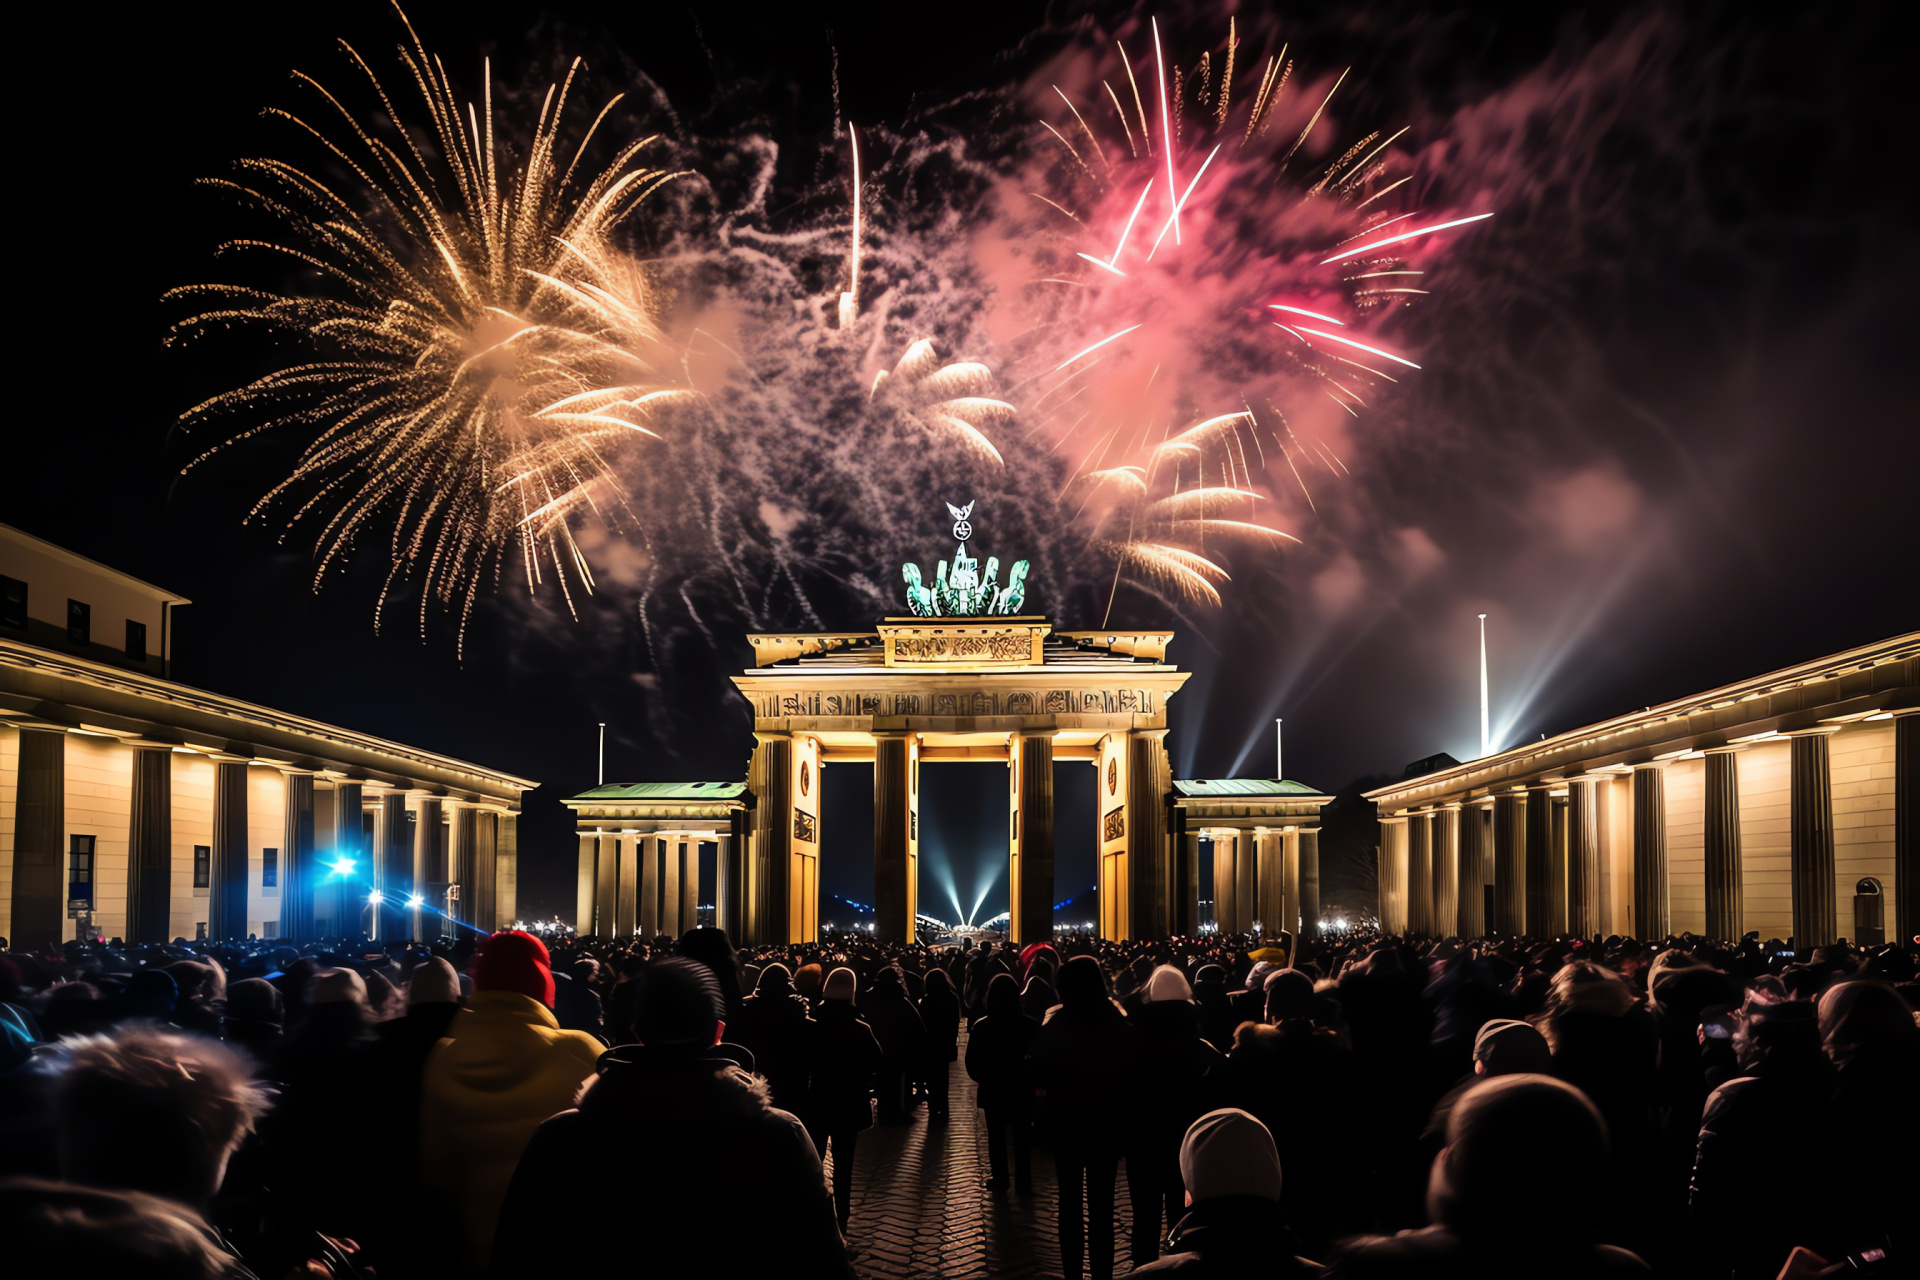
{"x": 1208, "y": 288}
{"x": 475, "y": 351}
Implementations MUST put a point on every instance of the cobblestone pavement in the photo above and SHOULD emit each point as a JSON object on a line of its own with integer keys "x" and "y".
{"x": 921, "y": 1207}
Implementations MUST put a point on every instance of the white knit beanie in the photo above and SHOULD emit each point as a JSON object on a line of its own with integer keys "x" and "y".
{"x": 434, "y": 982}
{"x": 337, "y": 986}
{"x": 1167, "y": 983}
{"x": 1229, "y": 1153}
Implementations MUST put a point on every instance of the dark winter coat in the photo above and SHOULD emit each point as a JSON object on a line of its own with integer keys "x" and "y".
{"x": 1232, "y": 1237}
{"x": 842, "y": 1055}
{"x": 1180, "y": 1075}
{"x": 1774, "y": 1119}
{"x": 649, "y": 1154}
{"x": 1085, "y": 1064}
{"x": 896, "y": 1024}
{"x": 997, "y": 1050}
{"x": 774, "y": 1028}
{"x": 1437, "y": 1253}
{"x": 940, "y": 1015}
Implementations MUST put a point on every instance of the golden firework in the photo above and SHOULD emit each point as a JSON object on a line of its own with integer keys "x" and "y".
{"x": 474, "y": 346}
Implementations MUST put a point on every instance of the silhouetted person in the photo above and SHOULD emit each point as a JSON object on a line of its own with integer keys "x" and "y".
{"x": 997, "y": 1050}
{"x": 842, "y": 1057}
{"x": 653, "y": 1153}
{"x": 1516, "y": 1194}
{"x": 773, "y": 1026}
{"x": 1233, "y": 1227}
{"x": 940, "y": 1015}
{"x": 903, "y": 1037}
{"x": 1179, "y": 1073}
{"x": 1084, "y": 1061}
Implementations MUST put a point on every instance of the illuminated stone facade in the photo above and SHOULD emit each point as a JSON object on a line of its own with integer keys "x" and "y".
{"x": 1784, "y": 804}
{"x": 148, "y": 810}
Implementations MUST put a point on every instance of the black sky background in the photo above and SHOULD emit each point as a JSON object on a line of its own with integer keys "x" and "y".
{"x": 1757, "y": 405}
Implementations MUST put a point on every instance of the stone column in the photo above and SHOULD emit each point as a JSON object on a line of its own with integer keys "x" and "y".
{"x": 689, "y": 883}
{"x": 892, "y": 830}
{"x": 646, "y": 853}
{"x": 740, "y": 824}
{"x": 606, "y": 886}
{"x": 1475, "y": 860}
{"x": 1651, "y": 920}
{"x": 1446, "y": 871}
{"x": 39, "y": 842}
{"x": 1224, "y": 883}
{"x": 1186, "y": 897}
{"x": 486, "y": 871}
{"x": 1310, "y": 883}
{"x": 506, "y": 871}
{"x": 429, "y": 871}
{"x": 1583, "y": 858}
{"x": 1290, "y": 881}
{"x": 1811, "y": 826}
{"x": 350, "y": 843}
{"x": 1906, "y": 827}
{"x": 1539, "y": 863}
{"x": 1035, "y": 836}
{"x": 1150, "y": 875}
{"x": 298, "y": 874}
{"x": 670, "y": 923}
{"x": 150, "y": 846}
{"x": 626, "y": 853}
{"x": 770, "y": 779}
{"x": 1556, "y": 821}
{"x": 1419, "y": 875}
{"x": 1393, "y": 875}
{"x": 1245, "y": 903}
{"x": 227, "y": 869}
{"x": 723, "y": 893}
{"x": 396, "y": 867}
{"x": 1724, "y": 893}
{"x": 1509, "y": 863}
{"x": 1267, "y": 857}
{"x": 460, "y": 866}
{"x": 586, "y": 880}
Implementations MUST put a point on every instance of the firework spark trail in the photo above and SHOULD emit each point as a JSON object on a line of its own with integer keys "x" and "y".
{"x": 483, "y": 355}
{"x": 1161, "y": 328}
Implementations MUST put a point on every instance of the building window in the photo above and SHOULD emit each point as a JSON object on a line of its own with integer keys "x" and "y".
{"x": 200, "y": 930}
{"x": 13, "y": 603}
{"x": 202, "y": 865}
{"x": 79, "y": 622}
{"x": 80, "y": 863}
{"x": 271, "y": 929}
{"x": 269, "y": 868}
{"x": 136, "y": 640}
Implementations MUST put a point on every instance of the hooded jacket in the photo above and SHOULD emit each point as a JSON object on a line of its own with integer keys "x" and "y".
{"x": 504, "y": 1067}
{"x": 1232, "y": 1236}
{"x": 658, "y": 1145}
{"x": 842, "y": 1055}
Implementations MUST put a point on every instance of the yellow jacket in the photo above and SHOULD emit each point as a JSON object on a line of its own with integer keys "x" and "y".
{"x": 504, "y": 1067}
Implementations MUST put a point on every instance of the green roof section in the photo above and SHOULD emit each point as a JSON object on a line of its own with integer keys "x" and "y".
{"x": 1251, "y": 787}
{"x": 666, "y": 791}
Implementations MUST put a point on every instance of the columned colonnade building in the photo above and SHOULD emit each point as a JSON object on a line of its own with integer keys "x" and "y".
{"x": 147, "y": 810}
{"x": 1007, "y": 692}
{"x": 1784, "y": 804}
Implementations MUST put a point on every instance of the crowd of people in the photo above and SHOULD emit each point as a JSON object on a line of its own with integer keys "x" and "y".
{"x": 1362, "y": 1106}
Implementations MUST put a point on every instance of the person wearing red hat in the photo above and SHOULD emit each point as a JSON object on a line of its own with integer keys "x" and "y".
{"x": 504, "y": 1066}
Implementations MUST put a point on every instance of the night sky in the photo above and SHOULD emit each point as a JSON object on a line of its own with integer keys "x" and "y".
{"x": 1665, "y": 437}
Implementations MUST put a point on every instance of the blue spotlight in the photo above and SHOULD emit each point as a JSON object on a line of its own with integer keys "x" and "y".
{"x": 341, "y": 866}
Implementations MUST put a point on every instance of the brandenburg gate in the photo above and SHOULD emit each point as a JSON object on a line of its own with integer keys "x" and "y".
{"x": 967, "y": 678}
